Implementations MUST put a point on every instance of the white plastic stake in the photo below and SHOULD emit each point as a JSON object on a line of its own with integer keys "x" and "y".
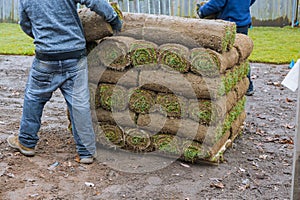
{"x": 296, "y": 162}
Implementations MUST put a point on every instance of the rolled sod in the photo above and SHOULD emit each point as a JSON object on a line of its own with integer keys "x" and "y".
{"x": 141, "y": 101}
{"x": 242, "y": 87}
{"x": 175, "y": 56}
{"x": 143, "y": 54}
{"x": 206, "y": 112}
{"x": 167, "y": 144}
{"x": 187, "y": 85}
{"x": 185, "y": 128}
{"x": 94, "y": 26}
{"x": 110, "y": 135}
{"x": 244, "y": 46}
{"x": 214, "y": 34}
{"x": 193, "y": 151}
{"x": 137, "y": 139}
{"x": 123, "y": 119}
{"x": 193, "y": 86}
{"x": 111, "y": 97}
{"x": 113, "y": 52}
{"x": 127, "y": 79}
{"x": 204, "y": 62}
{"x": 172, "y": 105}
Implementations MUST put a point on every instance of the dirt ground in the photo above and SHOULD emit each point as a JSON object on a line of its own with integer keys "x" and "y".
{"x": 257, "y": 166}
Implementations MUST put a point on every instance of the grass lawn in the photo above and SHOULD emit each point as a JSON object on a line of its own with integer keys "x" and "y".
{"x": 271, "y": 44}
{"x": 14, "y": 41}
{"x": 275, "y": 45}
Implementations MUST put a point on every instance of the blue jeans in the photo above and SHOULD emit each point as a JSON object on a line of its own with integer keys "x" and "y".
{"x": 71, "y": 77}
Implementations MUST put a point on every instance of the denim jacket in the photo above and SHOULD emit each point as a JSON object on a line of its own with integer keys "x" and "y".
{"x": 237, "y": 11}
{"x": 55, "y": 25}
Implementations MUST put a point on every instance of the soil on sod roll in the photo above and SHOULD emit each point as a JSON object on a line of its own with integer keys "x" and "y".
{"x": 113, "y": 52}
{"x": 110, "y": 136}
{"x": 111, "y": 97}
{"x": 124, "y": 118}
{"x": 172, "y": 105}
{"x": 138, "y": 140}
{"x": 175, "y": 56}
{"x": 244, "y": 46}
{"x": 214, "y": 34}
{"x": 127, "y": 79}
{"x": 94, "y": 26}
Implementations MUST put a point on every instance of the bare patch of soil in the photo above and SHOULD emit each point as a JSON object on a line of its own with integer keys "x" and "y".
{"x": 257, "y": 166}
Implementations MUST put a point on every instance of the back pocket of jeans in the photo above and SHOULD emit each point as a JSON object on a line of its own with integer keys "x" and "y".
{"x": 40, "y": 80}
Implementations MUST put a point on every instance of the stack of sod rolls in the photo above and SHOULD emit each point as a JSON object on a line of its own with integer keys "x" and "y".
{"x": 169, "y": 98}
{"x": 170, "y": 85}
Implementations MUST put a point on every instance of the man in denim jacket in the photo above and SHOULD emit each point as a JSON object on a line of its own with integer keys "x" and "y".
{"x": 60, "y": 62}
{"x": 237, "y": 11}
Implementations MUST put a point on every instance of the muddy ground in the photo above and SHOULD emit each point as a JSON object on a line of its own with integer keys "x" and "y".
{"x": 257, "y": 166}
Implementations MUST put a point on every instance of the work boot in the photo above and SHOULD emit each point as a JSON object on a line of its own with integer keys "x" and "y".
{"x": 250, "y": 92}
{"x": 13, "y": 141}
{"x": 88, "y": 160}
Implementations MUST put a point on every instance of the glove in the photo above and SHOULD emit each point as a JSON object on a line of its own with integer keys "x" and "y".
{"x": 199, "y": 11}
{"x": 116, "y": 24}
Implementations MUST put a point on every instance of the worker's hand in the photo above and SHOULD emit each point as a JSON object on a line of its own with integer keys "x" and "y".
{"x": 116, "y": 24}
{"x": 198, "y": 10}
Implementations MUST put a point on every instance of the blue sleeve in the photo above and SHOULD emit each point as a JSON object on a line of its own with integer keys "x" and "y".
{"x": 25, "y": 21}
{"x": 212, "y": 7}
{"x": 101, "y": 7}
{"x": 252, "y": 2}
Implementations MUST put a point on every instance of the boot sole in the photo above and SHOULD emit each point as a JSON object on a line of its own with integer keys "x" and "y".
{"x": 24, "y": 152}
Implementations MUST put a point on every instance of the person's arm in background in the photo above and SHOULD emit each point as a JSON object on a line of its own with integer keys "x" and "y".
{"x": 211, "y": 7}
{"x": 104, "y": 9}
{"x": 25, "y": 21}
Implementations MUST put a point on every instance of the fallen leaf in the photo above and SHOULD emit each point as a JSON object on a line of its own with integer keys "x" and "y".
{"x": 77, "y": 158}
{"x": 286, "y": 141}
{"x": 288, "y": 100}
{"x": 271, "y": 139}
{"x": 217, "y": 185}
{"x": 288, "y": 126}
{"x": 264, "y": 157}
{"x": 184, "y": 165}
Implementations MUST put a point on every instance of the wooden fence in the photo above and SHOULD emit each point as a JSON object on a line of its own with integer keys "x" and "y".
{"x": 264, "y": 12}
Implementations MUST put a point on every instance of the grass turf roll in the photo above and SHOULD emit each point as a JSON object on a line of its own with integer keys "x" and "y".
{"x": 172, "y": 105}
{"x": 174, "y": 56}
{"x": 143, "y": 54}
{"x": 204, "y": 62}
{"x": 167, "y": 144}
{"x": 214, "y": 34}
{"x": 137, "y": 139}
{"x": 141, "y": 101}
{"x": 110, "y": 135}
{"x": 113, "y": 52}
{"x": 206, "y": 112}
{"x": 95, "y": 27}
{"x": 193, "y": 151}
{"x": 244, "y": 46}
{"x": 111, "y": 97}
